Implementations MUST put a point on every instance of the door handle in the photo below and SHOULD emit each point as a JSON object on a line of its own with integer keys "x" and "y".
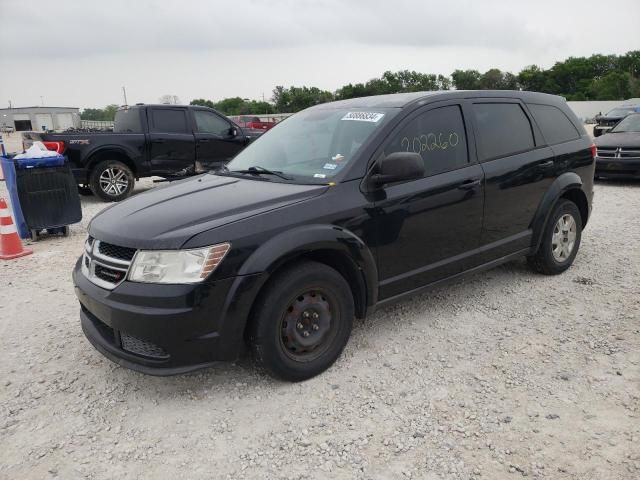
{"x": 469, "y": 184}
{"x": 547, "y": 164}
{"x": 158, "y": 140}
{"x": 204, "y": 140}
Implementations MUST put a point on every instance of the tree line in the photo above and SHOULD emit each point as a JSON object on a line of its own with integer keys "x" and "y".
{"x": 598, "y": 77}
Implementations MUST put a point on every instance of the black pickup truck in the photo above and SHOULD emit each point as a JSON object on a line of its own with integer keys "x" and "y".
{"x": 147, "y": 140}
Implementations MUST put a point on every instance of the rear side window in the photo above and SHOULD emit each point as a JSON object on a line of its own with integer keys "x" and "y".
{"x": 438, "y": 136}
{"x": 503, "y": 129}
{"x": 207, "y": 122}
{"x": 127, "y": 121}
{"x": 168, "y": 121}
{"x": 555, "y": 125}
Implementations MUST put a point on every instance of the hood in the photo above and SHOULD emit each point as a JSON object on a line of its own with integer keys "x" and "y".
{"x": 622, "y": 139}
{"x": 166, "y": 217}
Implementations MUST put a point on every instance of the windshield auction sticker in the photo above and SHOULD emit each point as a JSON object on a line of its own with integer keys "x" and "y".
{"x": 363, "y": 116}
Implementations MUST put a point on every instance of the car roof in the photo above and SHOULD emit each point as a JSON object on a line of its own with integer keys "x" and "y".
{"x": 401, "y": 100}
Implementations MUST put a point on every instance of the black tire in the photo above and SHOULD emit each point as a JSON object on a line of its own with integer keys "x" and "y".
{"x": 111, "y": 191}
{"x": 310, "y": 293}
{"x": 544, "y": 260}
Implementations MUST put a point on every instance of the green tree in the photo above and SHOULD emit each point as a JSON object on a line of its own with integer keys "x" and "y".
{"x": 107, "y": 113}
{"x": 466, "y": 79}
{"x": 294, "y": 99}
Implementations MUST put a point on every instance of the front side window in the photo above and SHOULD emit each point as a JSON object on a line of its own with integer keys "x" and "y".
{"x": 207, "y": 122}
{"x": 167, "y": 120}
{"x": 503, "y": 129}
{"x": 314, "y": 145}
{"x": 438, "y": 136}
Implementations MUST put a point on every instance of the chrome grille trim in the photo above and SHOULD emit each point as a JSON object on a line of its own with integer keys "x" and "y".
{"x": 619, "y": 153}
{"x": 92, "y": 258}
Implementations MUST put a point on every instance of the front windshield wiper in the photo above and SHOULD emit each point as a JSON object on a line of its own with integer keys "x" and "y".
{"x": 261, "y": 171}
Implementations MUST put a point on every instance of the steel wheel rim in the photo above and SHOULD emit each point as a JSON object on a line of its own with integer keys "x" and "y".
{"x": 114, "y": 181}
{"x": 308, "y": 325}
{"x": 563, "y": 239}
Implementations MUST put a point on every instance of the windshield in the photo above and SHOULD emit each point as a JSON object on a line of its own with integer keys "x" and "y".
{"x": 314, "y": 145}
{"x": 619, "y": 112}
{"x": 630, "y": 123}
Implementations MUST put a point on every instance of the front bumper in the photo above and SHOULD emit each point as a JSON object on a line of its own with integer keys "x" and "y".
{"x": 615, "y": 167}
{"x": 166, "y": 329}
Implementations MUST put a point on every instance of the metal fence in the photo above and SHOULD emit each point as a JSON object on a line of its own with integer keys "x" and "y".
{"x": 97, "y": 125}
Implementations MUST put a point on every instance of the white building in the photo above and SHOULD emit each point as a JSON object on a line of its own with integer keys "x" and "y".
{"x": 39, "y": 119}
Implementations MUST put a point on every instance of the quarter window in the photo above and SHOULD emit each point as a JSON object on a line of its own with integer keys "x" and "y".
{"x": 503, "y": 129}
{"x": 555, "y": 125}
{"x": 438, "y": 136}
{"x": 169, "y": 121}
{"x": 207, "y": 122}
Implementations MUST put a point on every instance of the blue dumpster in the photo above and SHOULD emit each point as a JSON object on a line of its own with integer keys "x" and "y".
{"x": 9, "y": 171}
{"x": 46, "y": 193}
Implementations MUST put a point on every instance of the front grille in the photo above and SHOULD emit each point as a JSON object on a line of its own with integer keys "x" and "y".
{"x": 114, "y": 251}
{"x": 142, "y": 347}
{"x": 110, "y": 275}
{"x": 105, "y": 264}
{"x": 619, "y": 153}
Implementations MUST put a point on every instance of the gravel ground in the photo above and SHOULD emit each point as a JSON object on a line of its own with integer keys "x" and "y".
{"x": 502, "y": 375}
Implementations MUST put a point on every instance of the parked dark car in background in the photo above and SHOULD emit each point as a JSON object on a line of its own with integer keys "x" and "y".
{"x": 618, "y": 152}
{"x": 147, "y": 140}
{"x": 345, "y": 207}
{"x": 612, "y": 117}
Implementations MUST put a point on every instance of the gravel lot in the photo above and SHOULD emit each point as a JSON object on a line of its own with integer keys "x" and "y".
{"x": 502, "y": 375}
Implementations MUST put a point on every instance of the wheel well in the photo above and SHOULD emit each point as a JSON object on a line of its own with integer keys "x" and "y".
{"x": 112, "y": 155}
{"x": 578, "y": 197}
{"x": 334, "y": 259}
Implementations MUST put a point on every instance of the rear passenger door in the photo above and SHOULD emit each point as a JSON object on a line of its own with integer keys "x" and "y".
{"x": 427, "y": 228}
{"x": 518, "y": 169}
{"x": 171, "y": 141}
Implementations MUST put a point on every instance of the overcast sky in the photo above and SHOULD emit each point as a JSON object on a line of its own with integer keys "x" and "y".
{"x": 81, "y": 52}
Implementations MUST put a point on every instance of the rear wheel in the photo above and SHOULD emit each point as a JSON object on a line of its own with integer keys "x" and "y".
{"x": 301, "y": 321}
{"x": 561, "y": 240}
{"x": 111, "y": 180}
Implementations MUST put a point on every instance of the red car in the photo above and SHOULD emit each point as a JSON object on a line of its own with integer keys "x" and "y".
{"x": 255, "y": 123}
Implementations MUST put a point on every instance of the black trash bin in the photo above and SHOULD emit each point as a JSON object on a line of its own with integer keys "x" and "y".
{"x": 48, "y": 195}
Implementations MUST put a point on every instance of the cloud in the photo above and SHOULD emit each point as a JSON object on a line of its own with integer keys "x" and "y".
{"x": 69, "y": 28}
{"x": 214, "y": 49}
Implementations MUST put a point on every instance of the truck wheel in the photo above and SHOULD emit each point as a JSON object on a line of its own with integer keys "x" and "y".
{"x": 111, "y": 180}
{"x": 301, "y": 321}
{"x": 560, "y": 241}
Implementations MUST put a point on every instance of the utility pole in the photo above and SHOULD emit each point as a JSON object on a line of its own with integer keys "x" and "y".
{"x": 124, "y": 93}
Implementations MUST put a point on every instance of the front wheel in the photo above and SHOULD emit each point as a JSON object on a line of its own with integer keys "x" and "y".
{"x": 111, "y": 180}
{"x": 301, "y": 321}
{"x": 561, "y": 240}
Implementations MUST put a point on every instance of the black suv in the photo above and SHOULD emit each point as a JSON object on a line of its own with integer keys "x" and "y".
{"x": 343, "y": 208}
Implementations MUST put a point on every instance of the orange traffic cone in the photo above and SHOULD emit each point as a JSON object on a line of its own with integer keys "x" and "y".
{"x": 10, "y": 243}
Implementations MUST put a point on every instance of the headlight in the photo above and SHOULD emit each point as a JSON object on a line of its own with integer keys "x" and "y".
{"x": 177, "y": 266}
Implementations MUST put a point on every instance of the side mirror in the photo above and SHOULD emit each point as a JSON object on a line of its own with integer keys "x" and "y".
{"x": 397, "y": 167}
{"x": 233, "y": 132}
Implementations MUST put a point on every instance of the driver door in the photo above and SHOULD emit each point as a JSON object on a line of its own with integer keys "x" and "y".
{"x": 217, "y": 140}
{"x": 427, "y": 228}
